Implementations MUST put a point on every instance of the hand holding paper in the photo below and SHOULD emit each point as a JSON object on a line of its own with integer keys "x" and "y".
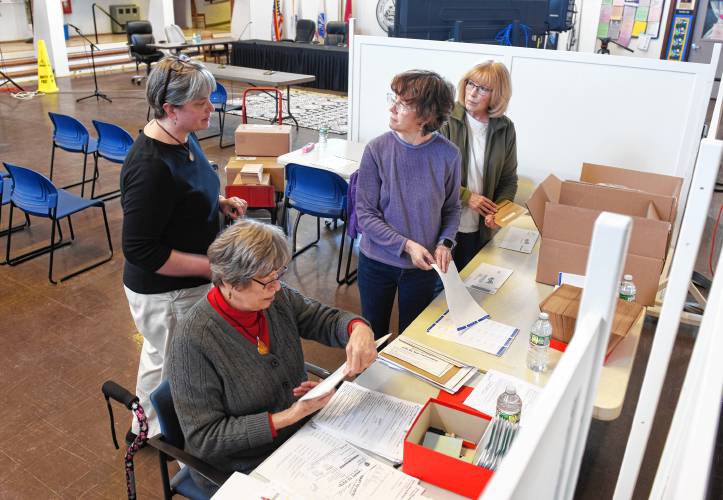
{"x": 463, "y": 309}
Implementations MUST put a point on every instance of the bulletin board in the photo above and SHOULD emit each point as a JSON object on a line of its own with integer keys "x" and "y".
{"x": 621, "y": 20}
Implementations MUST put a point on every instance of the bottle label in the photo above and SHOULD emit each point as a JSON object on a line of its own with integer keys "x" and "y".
{"x": 513, "y": 418}
{"x": 627, "y": 298}
{"x": 539, "y": 340}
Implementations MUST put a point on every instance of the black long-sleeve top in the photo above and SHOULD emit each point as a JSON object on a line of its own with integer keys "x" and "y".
{"x": 169, "y": 203}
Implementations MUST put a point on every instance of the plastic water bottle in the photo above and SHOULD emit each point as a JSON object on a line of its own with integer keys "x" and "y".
{"x": 539, "y": 343}
{"x": 323, "y": 135}
{"x": 509, "y": 405}
{"x": 627, "y": 288}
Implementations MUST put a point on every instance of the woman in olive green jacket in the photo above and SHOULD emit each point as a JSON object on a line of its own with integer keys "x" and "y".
{"x": 488, "y": 145}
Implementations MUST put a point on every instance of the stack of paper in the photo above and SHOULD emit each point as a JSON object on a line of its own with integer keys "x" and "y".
{"x": 488, "y": 278}
{"x": 430, "y": 365}
{"x": 369, "y": 419}
{"x": 484, "y": 396}
{"x": 252, "y": 173}
{"x": 316, "y": 465}
{"x": 248, "y": 487}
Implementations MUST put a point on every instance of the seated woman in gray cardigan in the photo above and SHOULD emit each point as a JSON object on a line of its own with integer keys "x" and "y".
{"x": 236, "y": 368}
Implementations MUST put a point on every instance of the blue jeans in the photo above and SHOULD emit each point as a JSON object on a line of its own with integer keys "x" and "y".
{"x": 379, "y": 282}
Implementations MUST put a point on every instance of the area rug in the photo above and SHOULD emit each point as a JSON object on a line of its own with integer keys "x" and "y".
{"x": 313, "y": 110}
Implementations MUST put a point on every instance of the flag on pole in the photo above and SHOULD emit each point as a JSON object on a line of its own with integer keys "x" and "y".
{"x": 347, "y": 11}
{"x": 321, "y": 20}
{"x": 278, "y": 21}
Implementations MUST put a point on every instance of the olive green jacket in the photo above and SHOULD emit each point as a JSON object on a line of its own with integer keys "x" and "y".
{"x": 500, "y": 164}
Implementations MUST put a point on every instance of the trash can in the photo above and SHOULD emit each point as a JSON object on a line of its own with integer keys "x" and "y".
{"x": 66, "y": 32}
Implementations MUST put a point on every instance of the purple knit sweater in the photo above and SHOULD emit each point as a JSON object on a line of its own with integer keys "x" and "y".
{"x": 407, "y": 192}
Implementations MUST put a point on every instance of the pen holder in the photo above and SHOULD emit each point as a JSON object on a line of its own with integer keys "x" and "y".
{"x": 442, "y": 470}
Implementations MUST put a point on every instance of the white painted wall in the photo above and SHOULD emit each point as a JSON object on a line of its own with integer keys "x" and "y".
{"x": 82, "y": 15}
{"x": 365, "y": 12}
{"x": 47, "y": 17}
{"x": 160, "y": 14}
{"x": 216, "y": 13}
{"x": 182, "y": 13}
{"x": 13, "y": 21}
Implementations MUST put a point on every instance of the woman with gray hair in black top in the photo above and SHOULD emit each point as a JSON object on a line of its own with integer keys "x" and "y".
{"x": 171, "y": 205}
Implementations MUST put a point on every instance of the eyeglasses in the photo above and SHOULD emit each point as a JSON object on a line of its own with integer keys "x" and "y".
{"x": 394, "y": 100}
{"x": 279, "y": 274}
{"x": 176, "y": 66}
{"x": 481, "y": 89}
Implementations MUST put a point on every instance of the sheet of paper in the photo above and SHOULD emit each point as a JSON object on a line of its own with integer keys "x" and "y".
{"x": 248, "y": 487}
{"x": 614, "y": 31}
{"x": 316, "y": 465}
{"x": 488, "y": 278}
{"x": 421, "y": 359}
{"x": 519, "y": 240}
{"x": 488, "y": 335}
{"x": 484, "y": 396}
{"x": 626, "y": 28}
{"x": 639, "y": 28}
{"x": 463, "y": 309}
{"x": 617, "y": 13}
{"x": 368, "y": 419}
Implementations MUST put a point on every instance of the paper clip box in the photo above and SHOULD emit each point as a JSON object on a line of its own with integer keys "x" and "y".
{"x": 444, "y": 471}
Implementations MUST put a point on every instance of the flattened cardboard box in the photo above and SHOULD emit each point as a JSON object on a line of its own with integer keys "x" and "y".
{"x": 253, "y": 139}
{"x": 271, "y": 167}
{"x": 565, "y": 213}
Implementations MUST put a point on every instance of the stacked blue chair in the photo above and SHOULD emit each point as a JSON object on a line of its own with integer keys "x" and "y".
{"x": 72, "y": 136}
{"x": 6, "y": 189}
{"x": 219, "y": 99}
{"x": 319, "y": 193}
{"x": 113, "y": 145}
{"x": 35, "y": 195}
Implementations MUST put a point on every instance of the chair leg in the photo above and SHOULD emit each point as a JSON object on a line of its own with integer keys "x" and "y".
{"x": 52, "y": 250}
{"x": 52, "y": 160}
{"x": 221, "y": 121}
{"x": 95, "y": 175}
{"x": 82, "y": 182}
{"x": 349, "y": 278}
{"x": 163, "y": 462}
{"x": 296, "y": 227}
{"x": 70, "y": 225}
{"x": 285, "y": 215}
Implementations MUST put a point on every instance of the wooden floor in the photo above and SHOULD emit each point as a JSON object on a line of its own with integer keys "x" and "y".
{"x": 58, "y": 344}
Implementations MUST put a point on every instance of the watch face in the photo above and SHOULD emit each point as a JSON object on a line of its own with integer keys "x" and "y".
{"x": 385, "y": 14}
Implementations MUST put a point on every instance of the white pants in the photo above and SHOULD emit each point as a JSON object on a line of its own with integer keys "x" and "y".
{"x": 157, "y": 316}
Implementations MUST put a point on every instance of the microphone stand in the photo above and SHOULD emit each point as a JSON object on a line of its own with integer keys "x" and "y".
{"x": 93, "y": 47}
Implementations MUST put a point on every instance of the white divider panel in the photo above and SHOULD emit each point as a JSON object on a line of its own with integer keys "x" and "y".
{"x": 568, "y": 107}
{"x": 544, "y": 460}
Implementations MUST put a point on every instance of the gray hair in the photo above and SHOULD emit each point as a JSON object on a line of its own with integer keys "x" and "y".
{"x": 188, "y": 80}
{"x": 246, "y": 249}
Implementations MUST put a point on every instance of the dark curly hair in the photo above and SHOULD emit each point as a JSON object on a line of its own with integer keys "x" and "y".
{"x": 430, "y": 95}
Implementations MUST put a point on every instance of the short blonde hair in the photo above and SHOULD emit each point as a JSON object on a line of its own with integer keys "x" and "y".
{"x": 246, "y": 249}
{"x": 495, "y": 76}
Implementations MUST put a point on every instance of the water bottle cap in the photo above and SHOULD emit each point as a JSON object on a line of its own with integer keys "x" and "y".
{"x": 511, "y": 389}
{"x": 544, "y": 315}
{"x": 628, "y": 277}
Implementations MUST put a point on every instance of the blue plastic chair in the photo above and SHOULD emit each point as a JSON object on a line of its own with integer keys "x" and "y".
{"x": 113, "y": 145}
{"x": 219, "y": 99}
{"x": 320, "y": 193}
{"x": 34, "y": 194}
{"x": 170, "y": 446}
{"x": 72, "y": 136}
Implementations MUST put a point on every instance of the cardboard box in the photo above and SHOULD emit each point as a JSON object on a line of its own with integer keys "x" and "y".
{"x": 271, "y": 167}
{"x": 447, "y": 472}
{"x": 262, "y": 140}
{"x": 563, "y": 305}
{"x": 565, "y": 213}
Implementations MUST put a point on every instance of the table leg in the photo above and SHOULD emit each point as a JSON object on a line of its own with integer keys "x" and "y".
{"x": 288, "y": 106}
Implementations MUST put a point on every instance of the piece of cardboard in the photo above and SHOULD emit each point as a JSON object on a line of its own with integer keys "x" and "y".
{"x": 453, "y": 474}
{"x": 565, "y": 213}
{"x": 253, "y": 139}
{"x": 271, "y": 167}
{"x": 632, "y": 179}
{"x": 507, "y": 212}
{"x": 242, "y": 180}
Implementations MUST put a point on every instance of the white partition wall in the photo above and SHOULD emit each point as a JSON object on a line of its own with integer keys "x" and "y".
{"x": 568, "y": 107}
{"x": 544, "y": 460}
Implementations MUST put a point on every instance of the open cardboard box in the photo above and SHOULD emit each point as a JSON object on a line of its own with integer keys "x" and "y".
{"x": 447, "y": 472}
{"x": 252, "y": 139}
{"x": 271, "y": 167}
{"x": 565, "y": 213}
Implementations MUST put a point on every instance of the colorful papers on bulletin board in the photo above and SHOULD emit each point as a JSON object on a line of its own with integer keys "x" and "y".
{"x": 621, "y": 20}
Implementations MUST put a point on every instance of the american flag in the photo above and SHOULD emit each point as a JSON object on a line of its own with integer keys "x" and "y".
{"x": 278, "y": 21}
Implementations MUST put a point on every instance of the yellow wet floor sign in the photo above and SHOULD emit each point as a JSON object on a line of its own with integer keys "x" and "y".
{"x": 46, "y": 79}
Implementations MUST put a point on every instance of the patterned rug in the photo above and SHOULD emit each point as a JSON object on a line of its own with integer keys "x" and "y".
{"x": 312, "y": 109}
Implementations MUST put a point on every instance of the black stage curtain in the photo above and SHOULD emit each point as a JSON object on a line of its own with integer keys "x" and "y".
{"x": 329, "y": 63}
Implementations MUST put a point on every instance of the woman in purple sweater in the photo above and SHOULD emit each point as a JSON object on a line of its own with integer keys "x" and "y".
{"x": 407, "y": 201}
